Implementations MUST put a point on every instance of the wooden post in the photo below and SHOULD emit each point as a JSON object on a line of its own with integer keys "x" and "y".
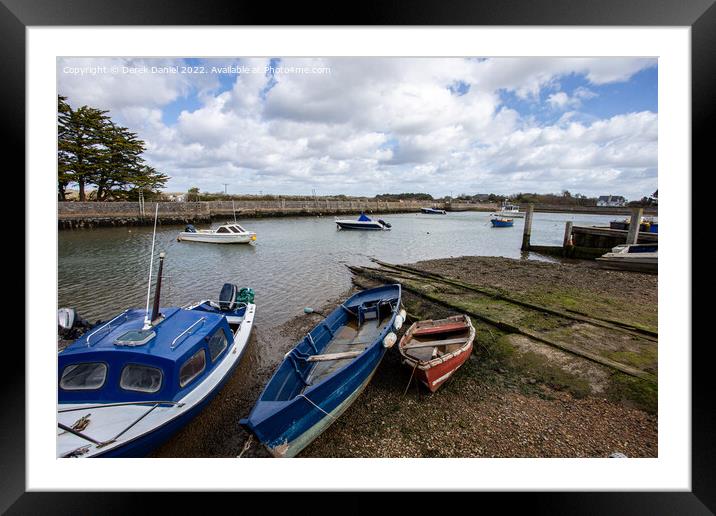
{"x": 567, "y": 234}
{"x": 634, "y": 225}
{"x": 528, "y": 228}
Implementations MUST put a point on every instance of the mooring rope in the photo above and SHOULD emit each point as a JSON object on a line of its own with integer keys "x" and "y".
{"x": 319, "y": 408}
{"x": 411, "y": 379}
{"x": 247, "y": 445}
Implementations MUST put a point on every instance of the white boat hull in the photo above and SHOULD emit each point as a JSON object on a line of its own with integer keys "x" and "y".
{"x": 217, "y": 238}
{"x": 360, "y": 224}
{"x": 105, "y": 423}
{"x": 509, "y": 214}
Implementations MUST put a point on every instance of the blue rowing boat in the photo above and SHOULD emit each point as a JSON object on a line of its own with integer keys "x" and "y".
{"x": 326, "y": 371}
{"x": 502, "y": 222}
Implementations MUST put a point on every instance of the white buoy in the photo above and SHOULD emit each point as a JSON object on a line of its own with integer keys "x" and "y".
{"x": 389, "y": 340}
{"x": 398, "y": 323}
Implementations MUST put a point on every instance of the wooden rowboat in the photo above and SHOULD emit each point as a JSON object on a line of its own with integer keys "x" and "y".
{"x": 434, "y": 350}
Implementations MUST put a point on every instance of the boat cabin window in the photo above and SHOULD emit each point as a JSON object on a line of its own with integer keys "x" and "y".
{"x": 137, "y": 377}
{"x": 234, "y": 229}
{"x": 77, "y": 377}
{"x": 223, "y": 229}
{"x": 192, "y": 368}
{"x": 217, "y": 344}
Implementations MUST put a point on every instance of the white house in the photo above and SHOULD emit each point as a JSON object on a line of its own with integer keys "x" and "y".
{"x": 611, "y": 200}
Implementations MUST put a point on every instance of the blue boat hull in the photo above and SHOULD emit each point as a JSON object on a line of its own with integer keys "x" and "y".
{"x": 502, "y": 224}
{"x": 144, "y": 445}
{"x": 287, "y": 426}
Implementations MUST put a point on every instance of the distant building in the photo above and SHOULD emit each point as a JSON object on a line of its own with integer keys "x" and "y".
{"x": 176, "y": 197}
{"x": 611, "y": 200}
{"x": 481, "y": 197}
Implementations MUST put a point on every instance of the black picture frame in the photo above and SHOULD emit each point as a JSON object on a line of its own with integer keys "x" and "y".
{"x": 700, "y": 15}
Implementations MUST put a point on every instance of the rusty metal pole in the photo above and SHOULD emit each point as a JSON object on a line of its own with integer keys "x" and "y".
{"x": 528, "y": 228}
{"x": 634, "y": 224}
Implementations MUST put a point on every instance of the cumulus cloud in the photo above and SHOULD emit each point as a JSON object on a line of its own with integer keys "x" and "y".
{"x": 372, "y": 125}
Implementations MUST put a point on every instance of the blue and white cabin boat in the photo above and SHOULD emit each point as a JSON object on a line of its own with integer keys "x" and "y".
{"x": 326, "y": 371}
{"x": 125, "y": 386}
{"x": 363, "y": 222}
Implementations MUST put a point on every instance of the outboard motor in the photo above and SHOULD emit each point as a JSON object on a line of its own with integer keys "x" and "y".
{"x": 189, "y": 229}
{"x": 227, "y": 297}
{"x": 70, "y": 325}
{"x": 384, "y": 223}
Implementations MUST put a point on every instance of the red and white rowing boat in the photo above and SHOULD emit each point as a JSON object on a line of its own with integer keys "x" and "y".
{"x": 436, "y": 349}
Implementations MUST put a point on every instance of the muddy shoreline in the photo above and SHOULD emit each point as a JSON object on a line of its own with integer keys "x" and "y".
{"x": 515, "y": 397}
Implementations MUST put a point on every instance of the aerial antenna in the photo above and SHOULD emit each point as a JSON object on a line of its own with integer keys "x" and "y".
{"x": 147, "y": 320}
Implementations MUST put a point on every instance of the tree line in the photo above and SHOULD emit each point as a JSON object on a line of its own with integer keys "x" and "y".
{"x": 94, "y": 151}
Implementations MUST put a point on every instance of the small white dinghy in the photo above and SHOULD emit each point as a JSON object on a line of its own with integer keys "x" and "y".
{"x": 230, "y": 233}
{"x": 634, "y": 257}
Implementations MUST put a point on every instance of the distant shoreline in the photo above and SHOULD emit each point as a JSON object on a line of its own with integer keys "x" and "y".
{"x": 77, "y": 215}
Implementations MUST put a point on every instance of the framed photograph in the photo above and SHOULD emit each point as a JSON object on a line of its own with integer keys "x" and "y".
{"x": 420, "y": 240}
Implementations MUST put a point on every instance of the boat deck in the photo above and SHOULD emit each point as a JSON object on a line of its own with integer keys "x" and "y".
{"x": 348, "y": 338}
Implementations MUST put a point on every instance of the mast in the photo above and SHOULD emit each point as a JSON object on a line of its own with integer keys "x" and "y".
{"x": 158, "y": 289}
{"x": 147, "y": 320}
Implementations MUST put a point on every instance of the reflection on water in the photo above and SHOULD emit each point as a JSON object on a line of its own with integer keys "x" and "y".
{"x": 296, "y": 262}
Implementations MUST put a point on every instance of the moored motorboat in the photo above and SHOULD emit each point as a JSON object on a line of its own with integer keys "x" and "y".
{"x": 433, "y": 211}
{"x": 500, "y": 222}
{"x": 509, "y": 210}
{"x": 363, "y": 222}
{"x": 230, "y": 233}
{"x": 634, "y": 257}
{"x": 435, "y": 349}
{"x": 646, "y": 225}
{"x": 125, "y": 386}
{"x": 326, "y": 371}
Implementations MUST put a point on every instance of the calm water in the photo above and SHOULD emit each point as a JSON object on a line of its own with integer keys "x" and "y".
{"x": 296, "y": 262}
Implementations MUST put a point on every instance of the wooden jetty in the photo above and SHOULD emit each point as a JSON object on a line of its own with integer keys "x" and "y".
{"x": 589, "y": 242}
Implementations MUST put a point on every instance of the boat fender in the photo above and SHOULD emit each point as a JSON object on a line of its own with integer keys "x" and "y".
{"x": 398, "y": 323}
{"x": 389, "y": 340}
{"x": 403, "y": 313}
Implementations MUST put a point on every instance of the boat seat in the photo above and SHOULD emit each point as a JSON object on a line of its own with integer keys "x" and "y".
{"x": 435, "y": 343}
{"x": 334, "y": 356}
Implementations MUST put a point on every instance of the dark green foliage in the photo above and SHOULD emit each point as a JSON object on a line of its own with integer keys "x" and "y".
{"x": 93, "y": 150}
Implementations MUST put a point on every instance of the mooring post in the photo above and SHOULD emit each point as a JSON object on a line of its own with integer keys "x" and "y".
{"x": 528, "y": 227}
{"x": 634, "y": 225}
{"x": 567, "y": 234}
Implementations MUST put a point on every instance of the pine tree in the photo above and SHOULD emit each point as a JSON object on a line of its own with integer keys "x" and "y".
{"x": 79, "y": 145}
{"x": 93, "y": 150}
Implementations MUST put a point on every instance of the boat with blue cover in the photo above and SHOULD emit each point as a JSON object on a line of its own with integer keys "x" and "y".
{"x": 127, "y": 385}
{"x": 326, "y": 371}
{"x": 433, "y": 211}
{"x": 363, "y": 222}
{"x": 500, "y": 222}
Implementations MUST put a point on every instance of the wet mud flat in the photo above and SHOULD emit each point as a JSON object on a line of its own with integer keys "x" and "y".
{"x": 578, "y": 380}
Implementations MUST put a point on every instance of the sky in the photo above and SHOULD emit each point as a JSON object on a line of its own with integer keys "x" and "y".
{"x": 365, "y": 126}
